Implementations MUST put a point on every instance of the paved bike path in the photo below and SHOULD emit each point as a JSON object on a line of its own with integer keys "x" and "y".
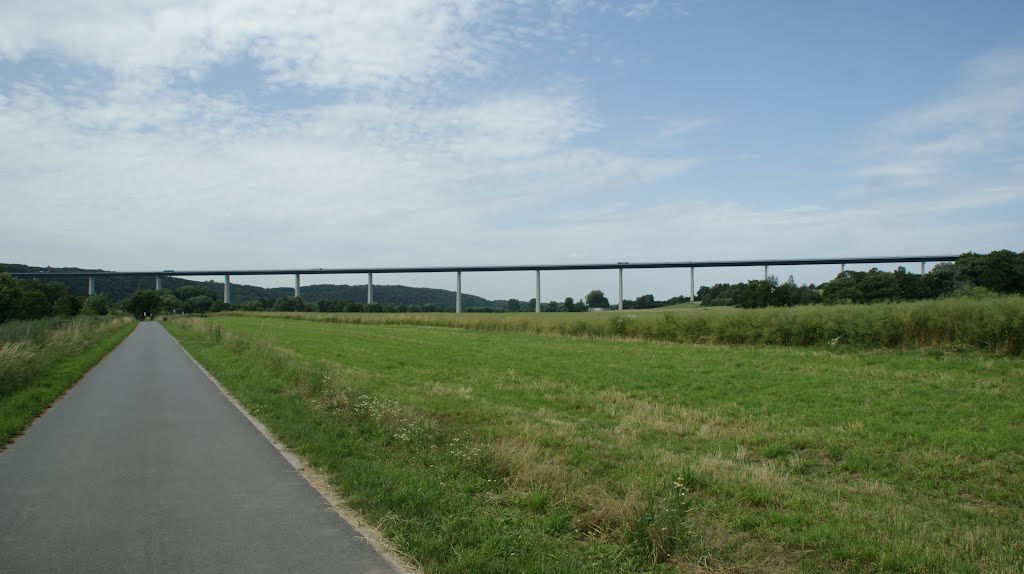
{"x": 144, "y": 466}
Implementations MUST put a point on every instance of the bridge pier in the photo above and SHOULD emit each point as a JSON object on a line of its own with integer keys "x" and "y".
{"x": 842, "y": 268}
{"x": 922, "y": 268}
{"x": 458, "y": 291}
{"x": 620, "y": 288}
{"x": 765, "y": 272}
{"x": 297, "y": 286}
{"x": 369, "y": 288}
{"x": 537, "y": 309}
{"x": 227, "y": 289}
{"x": 692, "y": 294}
{"x": 92, "y": 285}
{"x": 159, "y": 284}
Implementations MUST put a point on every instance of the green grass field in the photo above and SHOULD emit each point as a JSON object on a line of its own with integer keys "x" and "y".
{"x": 39, "y": 360}
{"x": 489, "y": 451}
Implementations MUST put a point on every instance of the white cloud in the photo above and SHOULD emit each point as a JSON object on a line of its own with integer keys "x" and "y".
{"x": 966, "y": 137}
{"x": 213, "y": 172}
{"x": 144, "y": 167}
{"x": 679, "y": 126}
{"x": 641, "y": 10}
{"x": 315, "y": 43}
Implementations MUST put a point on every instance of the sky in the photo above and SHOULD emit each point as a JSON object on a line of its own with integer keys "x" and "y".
{"x": 187, "y": 134}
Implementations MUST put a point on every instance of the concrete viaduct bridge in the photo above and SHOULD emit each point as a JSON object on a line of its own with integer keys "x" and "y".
{"x": 458, "y": 271}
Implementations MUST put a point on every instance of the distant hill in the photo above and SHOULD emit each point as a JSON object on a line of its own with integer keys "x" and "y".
{"x": 120, "y": 288}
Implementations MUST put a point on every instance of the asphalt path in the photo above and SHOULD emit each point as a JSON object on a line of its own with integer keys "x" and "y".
{"x": 144, "y": 466}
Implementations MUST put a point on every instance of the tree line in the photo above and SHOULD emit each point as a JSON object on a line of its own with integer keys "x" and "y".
{"x": 24, "y": 300}
{"x": 972, "y": 273}
{"x": 594, "y": 300}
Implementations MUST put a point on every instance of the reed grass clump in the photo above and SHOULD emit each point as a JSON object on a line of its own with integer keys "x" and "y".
{"x": 41, "y": 359}
{"x": 28, "y": 346}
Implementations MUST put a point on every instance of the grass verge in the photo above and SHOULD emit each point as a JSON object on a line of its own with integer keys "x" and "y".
{"x": 40, "y": 360}
{"x": 992, "y": 324}
{"x": 504, "y": 452}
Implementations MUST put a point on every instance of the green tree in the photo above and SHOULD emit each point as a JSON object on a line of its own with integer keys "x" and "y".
{"x": 97, "y": 304}
{"x": 944, "y": 279}
{"x": 514, "y": 305}
{"x": 33, "y": 304}
{"x": 67, "y": 306}
{"x": 909, "y": 286}
{"x": 645, "y": 302}
{"x": 251, "y": 305}
{"x": 10, "y": 296}
{"x": 198, "y": 304}
{"x": 756, "y": 293}
{"x": 169, "y": 303}
{"x": 186, "y": 292}
{"x": 784, "y": 294}
{"x": 291, "y": 304}
{"x": 29, "y": 300}
{"x": 1001, "y": 271}
{"x": 55, "y": 290}
{"x": 843, "y": 289}
{"x": 596, "y": 298}
{"x": 877, "y": 286}
{"x": 809, "y": 296}
{"x": 142, "y": 303}
{"x": 569, "y": 305}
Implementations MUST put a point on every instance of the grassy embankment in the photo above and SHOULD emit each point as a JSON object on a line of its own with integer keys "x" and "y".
{"x": 40, "y": 359}
{"x": 991, "y": 324}
{"x": 485, "y": 451}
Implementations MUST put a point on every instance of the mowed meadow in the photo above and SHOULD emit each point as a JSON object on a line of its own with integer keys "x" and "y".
{"x": 480, "y": 450}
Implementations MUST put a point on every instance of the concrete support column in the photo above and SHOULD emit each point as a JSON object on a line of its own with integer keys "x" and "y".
{"x": 297, "y": 286}
{"x": 92, "y": 285}
{"x": 538, "y": 292}
{"x": 693, "y": 295}
{"x": 458, "y": 291}
{"x": 159, "y": 284}
{"x": 369, "y": 288}
{"x": 922, "y": 268}
{"x": 765, "y": 272}
{"x": 842, "y": 268}
{"x": 620, "y": 288}
{"x": 227, "y": 289}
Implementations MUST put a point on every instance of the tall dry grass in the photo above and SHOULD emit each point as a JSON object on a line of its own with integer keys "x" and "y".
{"x": 16, "y": 361}
{"x": 993, "y": 324}
{"x": 27, "y": 346}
